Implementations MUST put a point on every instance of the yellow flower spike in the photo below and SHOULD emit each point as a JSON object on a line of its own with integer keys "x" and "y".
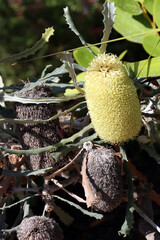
{"x": 112, "y": 100}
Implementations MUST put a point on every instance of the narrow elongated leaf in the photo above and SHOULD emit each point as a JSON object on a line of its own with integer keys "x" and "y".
{"x": 63, "y": 151}
{"x": 108, "y": 20}
{"x": 4, "y": 120}
{"x": 27, "y": 173}
{"x": 84, "y": 211}
{"x": 45, "y": 38}
{"x": 128, "y": 223}
{"x": 63, "y": 142}
{"x": 156, "y": 14}
{"x": 73, "y": 28}
{"x": 4, "y": 97}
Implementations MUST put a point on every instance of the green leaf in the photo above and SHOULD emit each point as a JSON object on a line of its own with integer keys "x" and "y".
{"x": 73, "y": 28}
{"x": 156, "y": 14}
{"x": 45, "y": 38}
{"x": 108, "y": 20}
{"x": 129, "y": 25}
{"x": 149, "y": 5}
{"x": 83, "y": 57}
{"x": 72, "y": 92}
{"x": 91, "y": 214}
{"x": 151, "y": 44}
{"x": 4, "y": 97}
{"x": 129, "y": 6}
{"x": 144, "y": 68}
{"x": 27, "y": 173}
{"x": 128, "y": 223}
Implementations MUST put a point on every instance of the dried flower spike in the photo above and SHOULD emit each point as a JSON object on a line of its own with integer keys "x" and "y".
{"x": 37, "y": 135}
{"x": 104, "y": 177}
{"x": 112, "y": 100}
{"x": 39, "y": 228}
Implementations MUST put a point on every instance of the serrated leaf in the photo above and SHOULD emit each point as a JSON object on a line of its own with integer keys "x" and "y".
{"x": 108, "y": 21}
{"x": 149, "y": 5}
{"x": 144, "y": 68}
{"x": 63, "y": 142}
{"x": 90, "y": 214}
{"x": 83, "y": 57}
{"x": 30, "y": 51}
{"x": 151, "y": 44}
{"x": 156, "y": 14}
{"x": 73, "y": 28}
{"x": 63, "y": 151}
{"x": 129, "y": 25}
{"x": 4, "y": 97}
{"x": 131, "y": 6}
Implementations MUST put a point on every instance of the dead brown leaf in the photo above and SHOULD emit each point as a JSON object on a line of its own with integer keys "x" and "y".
{"x": 90, "y": 198}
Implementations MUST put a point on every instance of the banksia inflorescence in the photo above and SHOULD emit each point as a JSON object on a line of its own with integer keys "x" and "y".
{"x": 39, "y": 228}
{"x": 112, "y": 100}
{"x": 37, "y": 135}
{"x": 104, "y": 177}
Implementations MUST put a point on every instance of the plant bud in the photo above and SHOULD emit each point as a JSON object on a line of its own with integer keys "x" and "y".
{"x": 104, "y": 176}
{"x": 37, "y": 135}
{"x": 39, "y": 228}
{"x": 112, "y": 100}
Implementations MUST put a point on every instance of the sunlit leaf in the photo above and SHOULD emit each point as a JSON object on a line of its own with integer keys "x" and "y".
{"x": 151, "y": 44}
{"x": 129, "y": 25}
{"x": 108, "y": 21}
{"x": 83, "y": 57}
{"x": 156, "y": 14}
{"x": 129, "y": 6}
{"x": 149, "y": 5}
{"x": 144, "y": 68}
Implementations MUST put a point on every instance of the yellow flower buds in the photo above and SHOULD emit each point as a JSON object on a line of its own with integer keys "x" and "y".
{"x": 112, "y": 100}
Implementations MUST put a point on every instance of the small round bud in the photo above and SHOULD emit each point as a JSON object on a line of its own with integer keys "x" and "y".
{"x": 104, "y": 177}
{"x": 39, "y": 228}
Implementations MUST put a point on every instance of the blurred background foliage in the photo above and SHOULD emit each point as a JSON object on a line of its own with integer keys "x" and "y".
{"x": 22, "y": 23}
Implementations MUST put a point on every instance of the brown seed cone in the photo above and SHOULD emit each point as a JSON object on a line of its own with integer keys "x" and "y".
{"x": 33, "y": 136}
{"x": 104, "y": 177}
{"x": 39, "y": 228}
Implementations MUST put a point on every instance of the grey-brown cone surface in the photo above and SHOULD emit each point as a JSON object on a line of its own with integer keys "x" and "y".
{"x": 39, "y": 228}
{"x": 104, "y": 177}
{"x": 37, "y": 135}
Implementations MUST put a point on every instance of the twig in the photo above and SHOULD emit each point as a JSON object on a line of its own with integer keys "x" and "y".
{"x": 146, "y": 218}
{"x": 63, "y": 168}
{"x": 79, "y": 199}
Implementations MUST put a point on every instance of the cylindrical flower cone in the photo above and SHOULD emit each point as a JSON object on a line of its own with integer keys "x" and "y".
{"x": 112, "y": 100}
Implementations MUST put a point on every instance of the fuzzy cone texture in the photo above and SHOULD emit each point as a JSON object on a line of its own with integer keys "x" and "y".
{"x": 39, "y": 228}
{"x": 104, "y": 176}
{"x": 112, "y": 100}
{"x": 37, "y": 135}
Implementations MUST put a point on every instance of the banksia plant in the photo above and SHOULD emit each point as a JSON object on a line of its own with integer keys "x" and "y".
{"x": 104, "y": 177}
{"x": 37, "y": 135}
{"x": 112, "y": 100}
{"x": 39, "y": 228}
